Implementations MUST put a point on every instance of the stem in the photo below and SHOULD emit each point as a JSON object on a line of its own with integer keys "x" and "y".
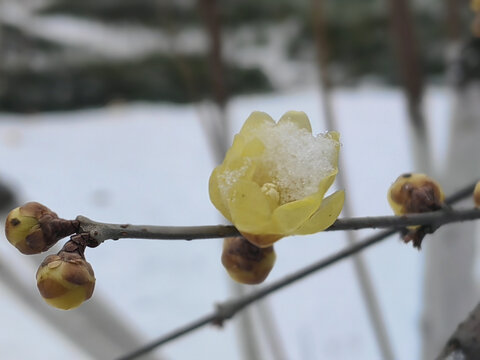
{"x": 100, "y": 232}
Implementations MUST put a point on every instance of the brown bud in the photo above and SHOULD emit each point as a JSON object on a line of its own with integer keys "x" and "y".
{"x": 415, "y": 193}
{"x": 66, "y": 280}
{"x": 245, "y": 262}
{"x": 34, "y": 228}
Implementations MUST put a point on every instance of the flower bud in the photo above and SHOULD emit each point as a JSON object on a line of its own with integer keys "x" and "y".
{"x": 476, "y": 195}
{"x": 245, "y": 262}
{"x": 34, "y": 228}
{"x": 66, "y": 280}
{"x": 415, "y": 193}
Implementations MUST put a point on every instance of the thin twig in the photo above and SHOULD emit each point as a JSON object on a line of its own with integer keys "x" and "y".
{"x": 367, "y": 289}
{"x": 229, "y": 308}
{"x": 207, "y": 319}
{"x": 103, "y": 231}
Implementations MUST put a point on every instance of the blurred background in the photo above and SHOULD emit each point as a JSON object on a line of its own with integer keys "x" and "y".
{"x": 119, "y": 111}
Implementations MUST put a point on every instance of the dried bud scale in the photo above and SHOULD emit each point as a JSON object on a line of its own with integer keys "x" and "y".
{"x": 66, "y": 280}
{"x": 33, "y": 228}
{"x": 245, "y": 262}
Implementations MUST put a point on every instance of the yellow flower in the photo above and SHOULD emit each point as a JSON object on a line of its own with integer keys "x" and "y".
{"x": 273, "y": 179}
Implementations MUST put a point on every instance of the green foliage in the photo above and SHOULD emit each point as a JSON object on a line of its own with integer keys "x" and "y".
{"x": 155, "y": 78}
{"x": 362, "y": 45}
{"x": 144, "y": 12}
{"x": 359, "y": 36}
{"x": 167, "y": 13}
{"x": 12, "y": 37}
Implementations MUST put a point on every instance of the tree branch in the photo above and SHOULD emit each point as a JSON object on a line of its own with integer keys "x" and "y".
{"x": 100, "y": 232}
{"x": 229, "y": 308}
{"x": 465, "y": 341}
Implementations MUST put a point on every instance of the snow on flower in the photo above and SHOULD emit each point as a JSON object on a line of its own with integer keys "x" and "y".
{"x": 273, "y": 179}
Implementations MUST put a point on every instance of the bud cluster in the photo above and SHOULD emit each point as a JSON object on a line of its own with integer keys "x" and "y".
{"x": 65, "y": 280}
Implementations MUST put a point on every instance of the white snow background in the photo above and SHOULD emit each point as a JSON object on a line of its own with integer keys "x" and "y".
{"x": 150, "y": 163}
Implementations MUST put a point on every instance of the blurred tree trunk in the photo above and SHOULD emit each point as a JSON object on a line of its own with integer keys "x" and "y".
{"x": 450, "y": 290}
{"x": 449, "y": 285}
{"x": 211, "y": 17}
{"x": 411, "y": 75}
{"x": 218, "y": 132}
{"x": 361, "y": 270}
{"x": 464, "y": 343}
{"x": 210, "y": 13}
{"x": 452, "y": 13}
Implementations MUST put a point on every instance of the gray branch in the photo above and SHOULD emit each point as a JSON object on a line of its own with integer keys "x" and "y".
{"x": 103, "y": 231}
{"x": 229, "y": 308}
{"x": 464, "y": 344}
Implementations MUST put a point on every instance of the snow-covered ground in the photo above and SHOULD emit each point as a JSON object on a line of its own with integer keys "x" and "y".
{"x": 148, "y": 163}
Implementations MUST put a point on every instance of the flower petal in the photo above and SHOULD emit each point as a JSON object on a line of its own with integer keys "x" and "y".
{"x": 333, "y": 135}
{"x": 325, "y": 215}
{"x": 215, "y": 194}
{"x": 249, "y": 208}
{"x": 254, "y": 147}
{"x": 236, "y": 149}
{"x": 223, "y": 178}
{"x": 299, "y": 118}
{"x": 255, "y": 121}
{"x": 326, "y": 183}
{"x": 288, "y": 217}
